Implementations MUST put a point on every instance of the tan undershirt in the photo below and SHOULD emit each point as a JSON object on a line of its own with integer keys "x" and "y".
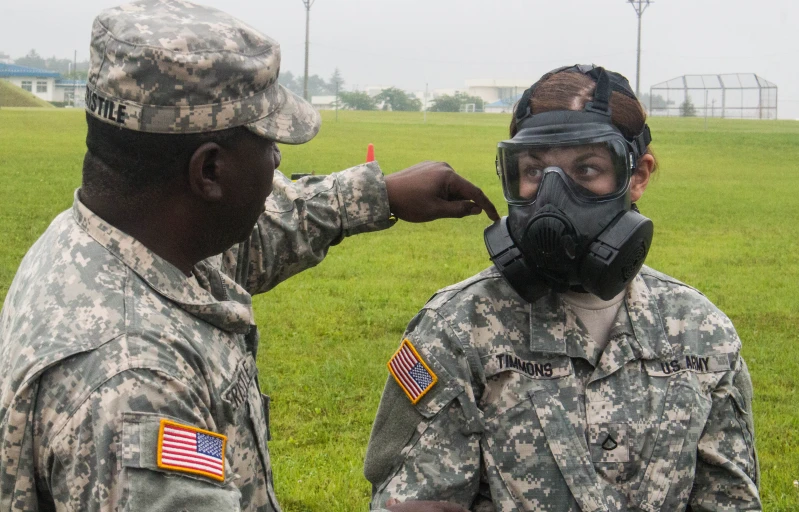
{"x": 596, "y": 314}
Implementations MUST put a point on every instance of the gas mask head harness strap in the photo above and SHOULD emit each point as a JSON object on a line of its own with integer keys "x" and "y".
{"x": 566, "y": 177}
{"x": 606, "y": 83}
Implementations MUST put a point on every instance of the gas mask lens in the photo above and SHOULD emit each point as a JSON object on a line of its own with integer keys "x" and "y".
{"x": 595, "y": 170}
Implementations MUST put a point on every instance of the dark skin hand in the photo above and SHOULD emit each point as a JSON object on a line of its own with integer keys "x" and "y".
{"x": 432, "y": 190}
{"x": 423, "y": 506}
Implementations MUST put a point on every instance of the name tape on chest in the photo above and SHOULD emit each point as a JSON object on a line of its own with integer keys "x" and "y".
{"x": 542, "y": 369}
{"x": 191, "y": 450}
{"x": 411, "y": 372}
{"x": 237, "y": 392}
{"x": 691, "y": 363}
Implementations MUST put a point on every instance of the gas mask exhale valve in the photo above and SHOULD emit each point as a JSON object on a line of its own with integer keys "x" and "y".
{"x": 566, "y": 177}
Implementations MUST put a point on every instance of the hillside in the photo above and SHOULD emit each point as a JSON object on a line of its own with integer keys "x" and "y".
{"x": 13, "y": 96}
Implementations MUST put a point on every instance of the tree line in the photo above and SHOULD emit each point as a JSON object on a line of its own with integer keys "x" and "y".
{"x": 62, "y": 66}
{"x": 392, "y": 98}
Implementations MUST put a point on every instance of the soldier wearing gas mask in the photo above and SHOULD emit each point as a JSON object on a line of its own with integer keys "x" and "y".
{"x": 568, "y": 376}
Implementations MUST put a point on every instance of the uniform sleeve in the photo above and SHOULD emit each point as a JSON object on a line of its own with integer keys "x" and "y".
{"x": 303, "y": 219}
{"x": 431, "y": 450}
{"x": 727, "y": 470}
{"x": 104, "y": 457}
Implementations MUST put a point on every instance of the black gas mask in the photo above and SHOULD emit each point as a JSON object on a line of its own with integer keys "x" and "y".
{"x": 566, "y": 178}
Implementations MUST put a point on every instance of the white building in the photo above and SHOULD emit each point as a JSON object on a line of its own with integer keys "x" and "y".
{"x": 324, "y": 102}
{"x": 47, "y": 85}
{"x": 492, "y": 91}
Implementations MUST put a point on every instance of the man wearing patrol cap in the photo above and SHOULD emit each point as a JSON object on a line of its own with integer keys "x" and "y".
{"x": 127, "y": 338}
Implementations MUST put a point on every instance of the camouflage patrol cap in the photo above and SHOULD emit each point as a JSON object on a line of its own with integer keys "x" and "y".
{"x": 171, "y": 66}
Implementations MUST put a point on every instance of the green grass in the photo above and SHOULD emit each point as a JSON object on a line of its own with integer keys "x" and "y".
{"x": 724, "y": 203}
{"x": 13, "y": 96}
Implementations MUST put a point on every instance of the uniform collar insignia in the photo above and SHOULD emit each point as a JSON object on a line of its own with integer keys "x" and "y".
{"x": 609, "y": 444}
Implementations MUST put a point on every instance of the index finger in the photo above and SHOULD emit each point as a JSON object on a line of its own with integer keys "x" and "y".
{"x": 465, "y": 189}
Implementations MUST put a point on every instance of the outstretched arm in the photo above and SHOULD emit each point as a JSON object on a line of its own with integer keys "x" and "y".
{"x": 303, "y": 219}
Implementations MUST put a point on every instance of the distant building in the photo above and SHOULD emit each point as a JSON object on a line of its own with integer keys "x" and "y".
{"x": 5, "y": 58}
{"x": 47, "y": 85}
{"x": 492, "y": 91}
{"x": 323, "y": 102}
{"x": 502, "y": 106}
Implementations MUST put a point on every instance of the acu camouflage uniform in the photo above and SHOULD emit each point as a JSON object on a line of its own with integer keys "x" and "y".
{"x": 100, "y": 338}
{"x": 530, "y": 414}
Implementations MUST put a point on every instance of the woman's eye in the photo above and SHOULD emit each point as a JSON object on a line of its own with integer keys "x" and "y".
{"x": 588, "y": 171}
{"x": 530, "y": 173}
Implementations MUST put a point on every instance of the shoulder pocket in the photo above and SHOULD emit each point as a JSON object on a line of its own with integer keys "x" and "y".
{"x": 146, "y": 486}
{"x": 425, "y": 381}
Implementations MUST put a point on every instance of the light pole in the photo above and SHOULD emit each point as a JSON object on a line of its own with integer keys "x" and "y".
{"x": 639, "y": 6}
{"x": 307, "y": 4}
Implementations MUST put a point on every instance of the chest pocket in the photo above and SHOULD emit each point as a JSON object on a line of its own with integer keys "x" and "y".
{"x": 530, "y": 438}
{"x": 644, "y": 424}
{"x": 669, "y": 448}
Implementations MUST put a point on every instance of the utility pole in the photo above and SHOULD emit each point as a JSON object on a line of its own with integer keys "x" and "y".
{"x": 75, "y": 79}
{"x": 639, "y": 6}
{"x": 307, "y": 4}
{"x": 424, "y": 107}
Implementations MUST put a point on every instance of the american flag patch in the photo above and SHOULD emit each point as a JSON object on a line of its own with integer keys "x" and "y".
{"x": 191, "y": 450}
{"x": 411, "y": 372}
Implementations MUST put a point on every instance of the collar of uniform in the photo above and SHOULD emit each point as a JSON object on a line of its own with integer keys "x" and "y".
{"x": 555, "y": 329}
{"x": 646, "y": 322}
{"x": 195, "y": 294}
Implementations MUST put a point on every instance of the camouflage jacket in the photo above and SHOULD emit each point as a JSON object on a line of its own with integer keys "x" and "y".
{"x": 101, "y": 340}
{"x": 524, "y": 411}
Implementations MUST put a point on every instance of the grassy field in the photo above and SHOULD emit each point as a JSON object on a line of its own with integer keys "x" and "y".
{"x": 725, "y": 209}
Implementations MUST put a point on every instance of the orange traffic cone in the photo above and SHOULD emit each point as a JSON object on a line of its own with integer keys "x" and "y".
{"x": 370, "y": 153}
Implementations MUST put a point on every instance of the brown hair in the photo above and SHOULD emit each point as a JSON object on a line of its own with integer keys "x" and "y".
{"x": 571, "y": 91}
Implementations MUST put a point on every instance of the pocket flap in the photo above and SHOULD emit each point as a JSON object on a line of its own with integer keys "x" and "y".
{"x": 426, "y": 382}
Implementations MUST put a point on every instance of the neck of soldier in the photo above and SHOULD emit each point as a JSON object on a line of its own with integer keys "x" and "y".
{"x": 164, "y": 223}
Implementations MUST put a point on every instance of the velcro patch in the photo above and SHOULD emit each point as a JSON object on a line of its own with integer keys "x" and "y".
{"x": 411, "y": 372}
{"x": 534, "y": 369}
{"x": 191, "y": 450}
{"x": 699, "y": 364}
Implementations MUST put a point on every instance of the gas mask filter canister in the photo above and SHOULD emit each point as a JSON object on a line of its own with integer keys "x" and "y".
{"x": 566, "y": 178}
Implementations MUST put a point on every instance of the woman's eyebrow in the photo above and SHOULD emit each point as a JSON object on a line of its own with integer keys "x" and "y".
{"x": 588, "y": 153}
{"x": 534, "y": 156}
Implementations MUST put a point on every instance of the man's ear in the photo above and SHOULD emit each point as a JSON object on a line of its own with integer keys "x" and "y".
{"x": 640, "y": 179}
{"x": 205, "y": 172}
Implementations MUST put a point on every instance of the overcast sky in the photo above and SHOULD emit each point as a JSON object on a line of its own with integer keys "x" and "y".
{"x": 410, "y": 43}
